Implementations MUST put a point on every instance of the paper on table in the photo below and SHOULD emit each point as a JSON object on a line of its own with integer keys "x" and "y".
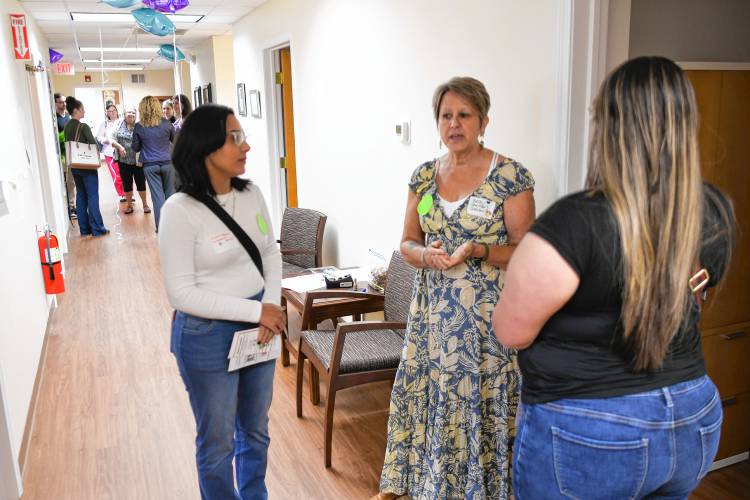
{"x": 246, "y": 351}
{"x": 304, "y": 283}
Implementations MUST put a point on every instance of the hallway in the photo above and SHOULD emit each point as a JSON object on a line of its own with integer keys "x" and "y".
{"x": 113, "y": 420}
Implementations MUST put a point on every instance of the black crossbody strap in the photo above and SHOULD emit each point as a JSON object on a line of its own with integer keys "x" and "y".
{"x": 239, "y": 233}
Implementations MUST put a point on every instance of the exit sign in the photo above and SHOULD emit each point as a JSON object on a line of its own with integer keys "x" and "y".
{"x": 64, "y": 68}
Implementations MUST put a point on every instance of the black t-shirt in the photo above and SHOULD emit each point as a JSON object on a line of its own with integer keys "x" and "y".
{"x": 579, "y": 352}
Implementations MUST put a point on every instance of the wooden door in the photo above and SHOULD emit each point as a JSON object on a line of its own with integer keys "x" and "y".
{"x": 288, "y": 161}
{"x": 724, "y": 104}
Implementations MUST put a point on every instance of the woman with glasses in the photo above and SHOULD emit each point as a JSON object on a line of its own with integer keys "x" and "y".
{"x": 105, "y": 136}
{"x": 217, "y": 290}
{"x": 153, "y": 137}
{"x": 129, "y": 168}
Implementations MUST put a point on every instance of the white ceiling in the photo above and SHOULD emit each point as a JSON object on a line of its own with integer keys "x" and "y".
{"x": 53, "y": 19}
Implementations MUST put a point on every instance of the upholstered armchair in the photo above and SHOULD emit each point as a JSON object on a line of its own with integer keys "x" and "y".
{"x": 301, "y": 239}
{"x": 359, "y": 352}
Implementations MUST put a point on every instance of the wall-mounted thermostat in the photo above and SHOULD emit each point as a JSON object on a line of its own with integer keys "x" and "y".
{"x": 403, "y": 131}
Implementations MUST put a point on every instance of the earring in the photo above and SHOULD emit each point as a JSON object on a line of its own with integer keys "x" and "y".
{"x": 481, "y": 140}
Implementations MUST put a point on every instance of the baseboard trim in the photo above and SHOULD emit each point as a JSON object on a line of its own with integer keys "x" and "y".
{"x": 726, "y": 462}
{"x": 29, "y": 428}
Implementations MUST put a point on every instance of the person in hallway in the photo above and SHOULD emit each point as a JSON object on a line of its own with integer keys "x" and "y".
{"x": 90, "y": 220}
{"x": 105, "y": 135}
{"x": 182, "y": 108}
{"x": 217, "y": 290}
{"x": 454, "y": 399}
{"x": 63, "y": 117}
{"x": 168, "y": 109}
{"x": 603, "y": 299}
{"x": 152, "y": 137}
{"x": 129, "y": 168}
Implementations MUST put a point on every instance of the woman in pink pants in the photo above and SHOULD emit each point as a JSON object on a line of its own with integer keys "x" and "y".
{"x": 105, "y": 136}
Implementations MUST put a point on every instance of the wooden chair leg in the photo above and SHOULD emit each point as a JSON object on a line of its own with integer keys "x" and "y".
{"x": 328, "y": 429}
{"x": 300, "y": 373}
{"x": 284, "y": 339}
{"x": 314, "y": 385}
{"x": 284, "y": 350}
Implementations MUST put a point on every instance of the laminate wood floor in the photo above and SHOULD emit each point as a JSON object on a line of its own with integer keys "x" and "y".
{"x": 113, "y": 421}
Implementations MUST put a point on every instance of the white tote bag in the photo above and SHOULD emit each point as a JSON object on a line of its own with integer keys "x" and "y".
{"x": 80, "y": 154}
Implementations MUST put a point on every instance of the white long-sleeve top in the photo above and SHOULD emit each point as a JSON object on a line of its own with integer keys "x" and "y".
{"x": 106, "y": 133}
{"x": 206, "y": 270}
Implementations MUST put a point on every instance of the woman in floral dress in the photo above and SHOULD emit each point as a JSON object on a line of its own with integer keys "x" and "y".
{"x": 453, "y": 406}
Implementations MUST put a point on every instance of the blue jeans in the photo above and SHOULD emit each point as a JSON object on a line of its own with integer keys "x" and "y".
{"x": 87, "y": 202}
{"x": 230, "y": 409}
{"x": 161, "y": 181}
{"x": 658, "y": 444}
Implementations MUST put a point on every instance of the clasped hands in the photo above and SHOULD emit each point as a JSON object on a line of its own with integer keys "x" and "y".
{"x": 272, "y": 322}
{"x": 435, "y": 256}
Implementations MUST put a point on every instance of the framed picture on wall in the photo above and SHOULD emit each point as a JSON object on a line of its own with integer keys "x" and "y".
{"x": 206, "y": 94}
{"x": 254, "y": 98}
{"x": 241, "y": 103}
{"x": 197, "y": 97}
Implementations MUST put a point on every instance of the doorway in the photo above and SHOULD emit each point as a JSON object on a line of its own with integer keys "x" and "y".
{"x": 284, "y": 126}
{"x": 94, "y": 101}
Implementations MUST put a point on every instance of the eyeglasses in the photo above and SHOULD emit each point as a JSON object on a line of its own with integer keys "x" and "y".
{"x": 238, "y": 136}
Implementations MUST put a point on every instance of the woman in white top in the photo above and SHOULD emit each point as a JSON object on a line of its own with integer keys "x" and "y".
{"x": 217, "y": 290}
{"x": 105, "y": 135}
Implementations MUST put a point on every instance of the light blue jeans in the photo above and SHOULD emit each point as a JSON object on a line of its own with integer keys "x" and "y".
{"x": 161, "y": 182}
{"x": 230, "y": 409}
{"x": 657, "y": 444}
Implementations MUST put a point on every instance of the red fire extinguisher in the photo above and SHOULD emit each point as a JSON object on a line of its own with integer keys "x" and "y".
{"x": 49, "y": 253}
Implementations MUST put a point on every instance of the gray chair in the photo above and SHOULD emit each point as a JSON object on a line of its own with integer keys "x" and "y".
{"x": 360, "y": 352}
{"x": 301, "y": 239}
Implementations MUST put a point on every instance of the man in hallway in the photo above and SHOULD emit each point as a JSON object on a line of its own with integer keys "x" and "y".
{"x": 62, "y": 119}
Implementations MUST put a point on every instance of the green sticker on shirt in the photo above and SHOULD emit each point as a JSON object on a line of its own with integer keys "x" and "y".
{"x": 425, "y": 204}
{"x": 262, "y": 224}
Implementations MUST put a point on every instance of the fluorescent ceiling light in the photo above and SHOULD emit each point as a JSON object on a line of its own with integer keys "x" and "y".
{"x": 118, "y": 49}
{"x": 121, "y": 61}
{"x": 115, "y": 68}
{"x": 118, "y": 17}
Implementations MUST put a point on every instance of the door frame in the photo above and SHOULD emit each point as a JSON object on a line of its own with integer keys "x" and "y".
{"x": 275, "y": 124}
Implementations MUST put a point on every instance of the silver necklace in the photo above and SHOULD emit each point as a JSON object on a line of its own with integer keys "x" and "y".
{"x": 224, "y": 204}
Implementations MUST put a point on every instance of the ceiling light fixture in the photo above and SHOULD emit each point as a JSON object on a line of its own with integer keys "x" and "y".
{"x": 119, "y": 61}
{"x": 119, "y": 17}
{"x": 116, "y": 68}
{"x": 118, "y": 49}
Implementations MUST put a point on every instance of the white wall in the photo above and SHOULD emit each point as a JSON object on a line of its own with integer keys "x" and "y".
{"x": 214, "y": 64}
{"x": 24, "y": 306}
{"x": 359, "y": 67}
{"x": 158, "y": 83}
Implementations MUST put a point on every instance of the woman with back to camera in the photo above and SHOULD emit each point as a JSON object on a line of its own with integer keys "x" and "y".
{"x": 217, "y": 290}
{"x": 129, "y": 168}
{"x": 105, "y": 135}
{"x": 152, "y": 137}
{"x": 454, "y": 399}
{"x": 601, "y": 296}
{"x": 90, "y": 220}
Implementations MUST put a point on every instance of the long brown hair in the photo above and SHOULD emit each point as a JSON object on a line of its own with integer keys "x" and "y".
{"x": 644, "y": 158}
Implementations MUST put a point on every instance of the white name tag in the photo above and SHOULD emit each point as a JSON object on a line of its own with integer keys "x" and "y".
{"x": 223, "y": 242}
{"x": 481, "y": 207}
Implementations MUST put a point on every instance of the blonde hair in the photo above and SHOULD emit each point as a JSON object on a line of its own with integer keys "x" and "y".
{"x": 150, "y": 111}
{"x": 644, "y": 158}
{"x": 466, "y": 87}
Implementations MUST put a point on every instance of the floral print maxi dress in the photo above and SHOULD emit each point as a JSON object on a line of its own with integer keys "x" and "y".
{"x": 453, "y": 405}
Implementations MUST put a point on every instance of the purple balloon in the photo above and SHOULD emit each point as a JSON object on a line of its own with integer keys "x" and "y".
{"x": 54, "y": 56}
{"x": 170, "y": 6}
